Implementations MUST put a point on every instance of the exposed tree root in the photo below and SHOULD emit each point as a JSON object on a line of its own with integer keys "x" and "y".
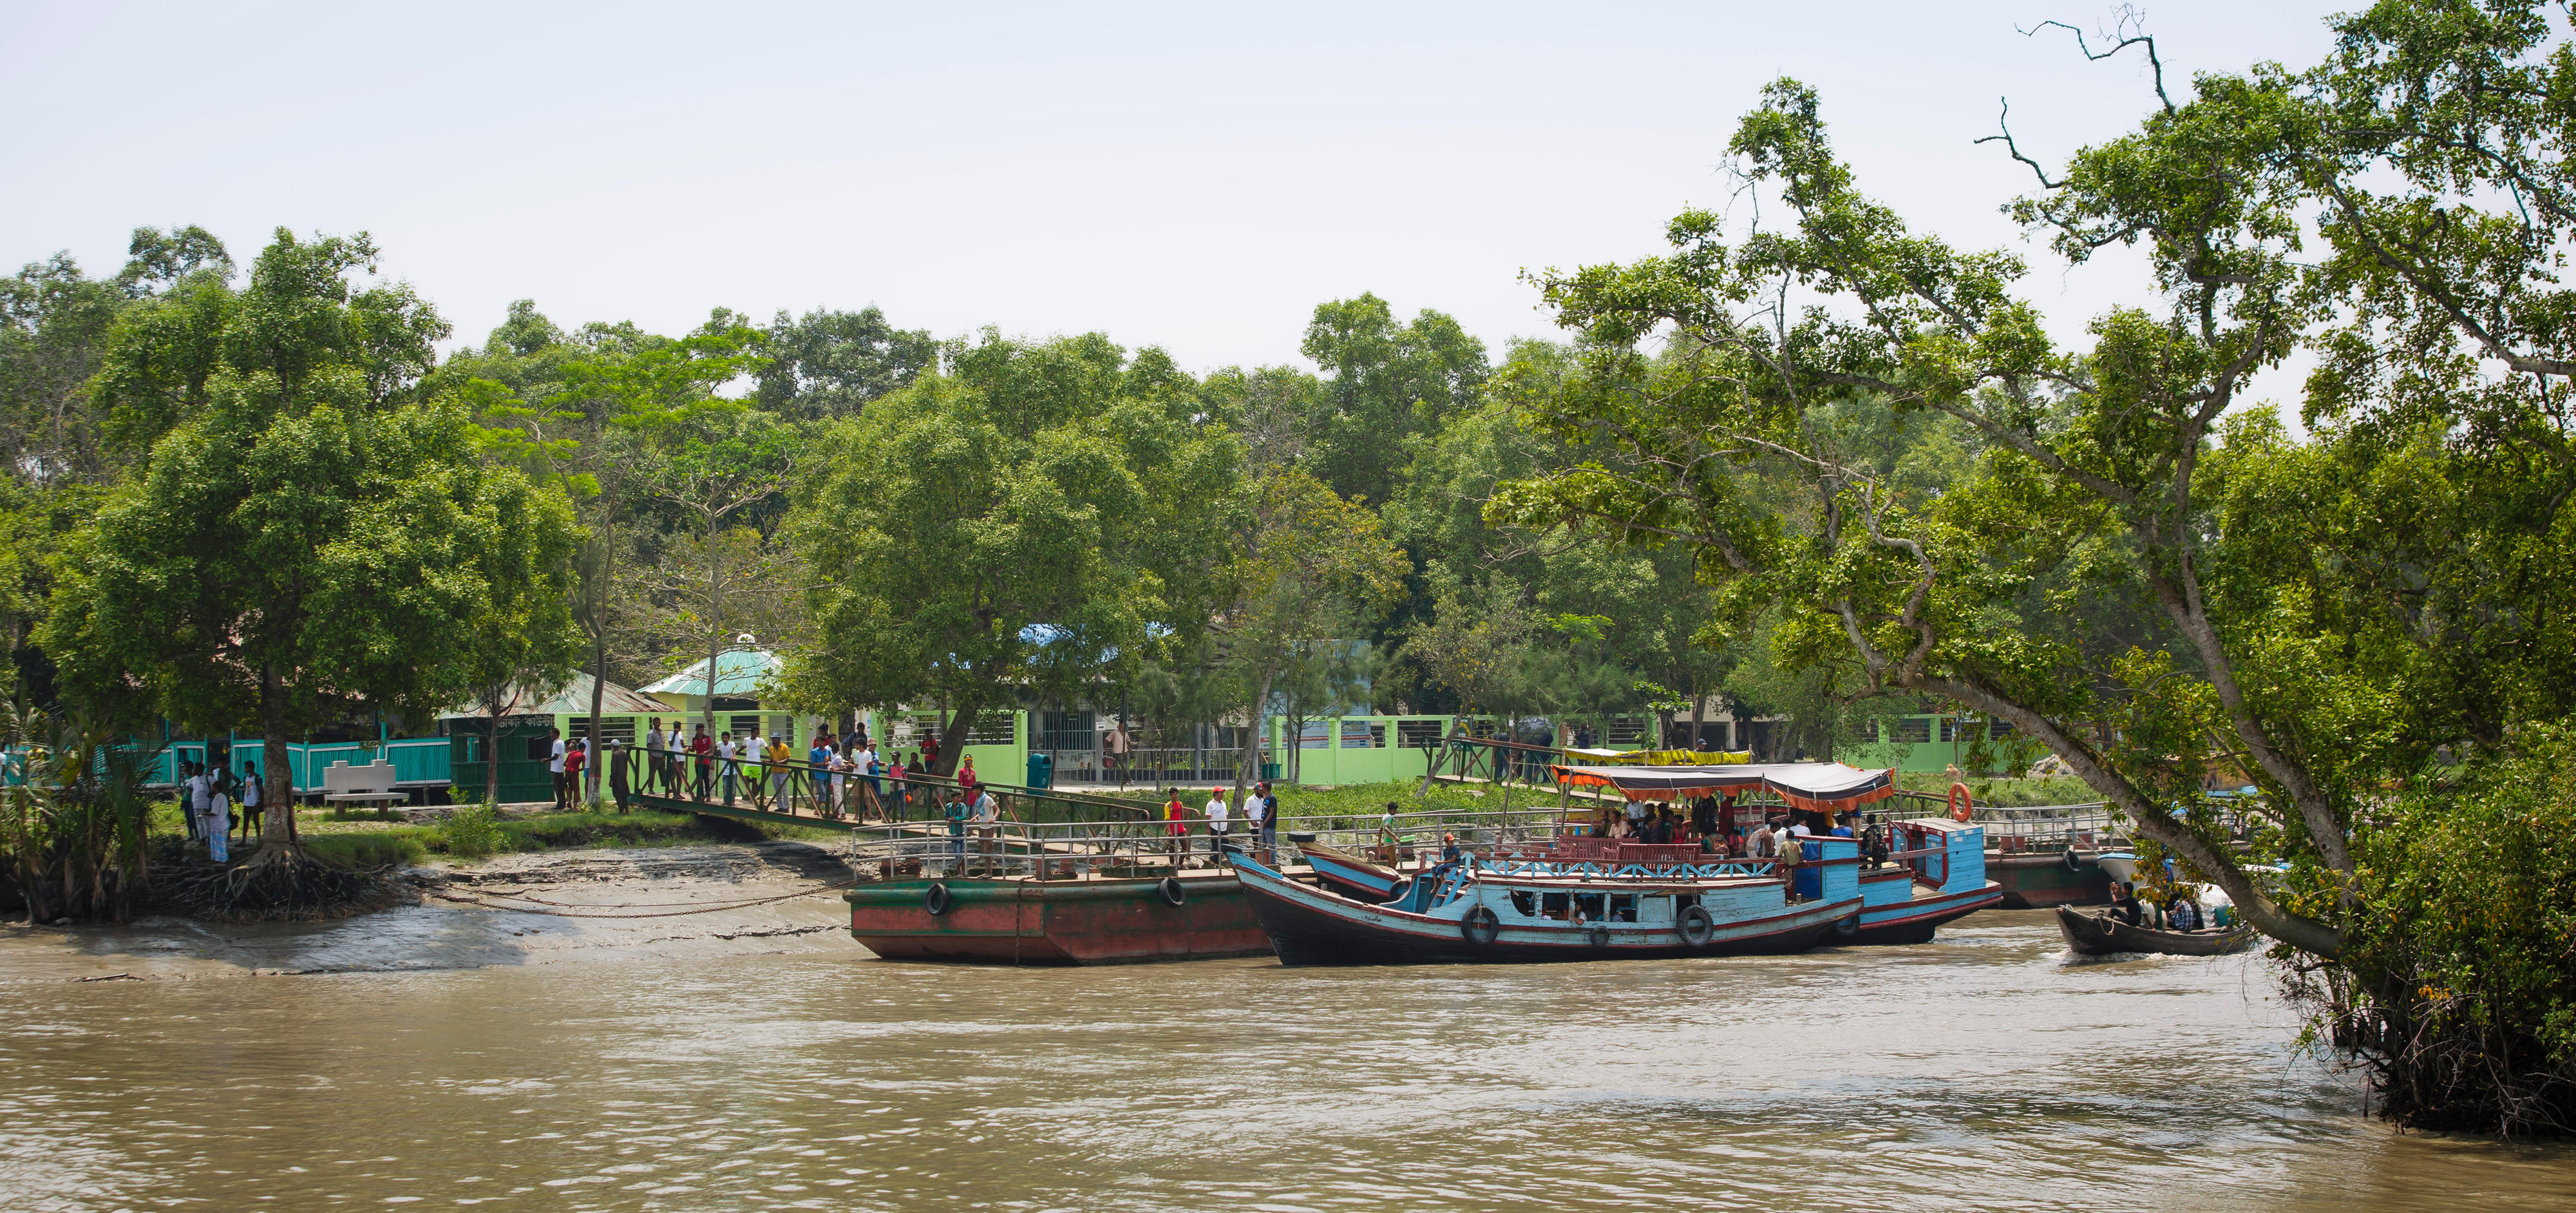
{"x": 279, "y": 883}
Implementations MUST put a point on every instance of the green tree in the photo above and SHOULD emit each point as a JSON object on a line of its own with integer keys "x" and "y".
{"x": 1386, "y": 383}
{"x": 828, "y": 364}
{"x": 305, "y": 535}
{"x": 1037, "y": 516}
{"x": 2326, "y": 615}
{"x": 1304, "y": 572}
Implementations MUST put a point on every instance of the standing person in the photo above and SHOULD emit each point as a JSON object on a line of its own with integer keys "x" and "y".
{"x": 702, "y": 751}
{"x": 219, "y": 812}
{"x": 1216, "y": 818}
{"x": 840, "y": 780}
{"x": 621, "y": 774}
{"x": 875, "y": 801}
{"x": 779, "y": 775}
{"x": 554, "y": 767}
{"x": 1387, "y": 839}
{"x": 929, "y": 763}
{"x": 576, "y": 760}
{"x": 192, "y": 798}
{"x": 1256, "y": 823}
{"x": 1115, "y": 746}
{"x": 955, "y": 811}
{"x": 728, "y": 763}
{"x": 1177, "y": 827}
{"x": 820, "y": 755}
{"x": 988, "y": 829}
{"x": 1265, "y": 806}
{"x": 653, "y": 745}
{"x": 894, "y": 804}
{"x": 251, "y": 797}
{"x": 966, "y": 780}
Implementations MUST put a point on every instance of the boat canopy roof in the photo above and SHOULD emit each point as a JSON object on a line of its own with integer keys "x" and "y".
{"x": 1815, "y": 786}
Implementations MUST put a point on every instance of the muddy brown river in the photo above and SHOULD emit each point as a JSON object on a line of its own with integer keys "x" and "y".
{"x": 454, "y": 1056}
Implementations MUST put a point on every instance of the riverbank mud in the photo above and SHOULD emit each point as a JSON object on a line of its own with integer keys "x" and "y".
{"x": 680, "y": 902}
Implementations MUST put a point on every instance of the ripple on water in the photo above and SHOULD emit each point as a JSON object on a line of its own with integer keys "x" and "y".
{"x": 1982, "y": 1070}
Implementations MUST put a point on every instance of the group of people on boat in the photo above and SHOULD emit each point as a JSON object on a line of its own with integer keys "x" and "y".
{"x": 1715, "y": 824}
{"x": 2180, "y": 911}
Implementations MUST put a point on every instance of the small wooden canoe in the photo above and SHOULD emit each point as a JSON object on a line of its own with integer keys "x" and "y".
{"x": 2098, "y": 934}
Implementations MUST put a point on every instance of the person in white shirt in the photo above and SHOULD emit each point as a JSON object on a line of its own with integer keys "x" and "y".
{"x": 196, "y": 789}
{"x": 1217, "y": 824}
{"x": 250, "y": 801}
{"x": 219, "y": 813}
{"x": 1261, "y": 823}
{"x": 554, "y": 766}
{"x": 988, "y": 825}
{"x": 654, "y": 745}
{"x": 725, "y": 763}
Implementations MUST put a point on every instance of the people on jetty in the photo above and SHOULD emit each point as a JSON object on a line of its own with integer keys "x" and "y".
{"x": 955, "y": 811}
{"x": 895, "y": 804}
{"x": 1216, "y": 810}
{"x": 1176, "y": 826}
{"x": 1262, "y": 810}
{"x": 819, "y": 756}
{"x": 702, "y": 753}
{"x": 1387, "y": 839}
{"x": 988, "y": 829}
{"x": 966, "y": 779}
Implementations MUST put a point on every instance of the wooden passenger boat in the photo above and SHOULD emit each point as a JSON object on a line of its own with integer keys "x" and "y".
{"x": 1563, "y": 902}
{"x": 1349, "y": 874}
{"x": 2098, "y": 934}
{"x": 1936, "y": 874}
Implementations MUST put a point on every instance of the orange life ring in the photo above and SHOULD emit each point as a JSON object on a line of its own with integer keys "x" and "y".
{"x": 1959, "y": 803}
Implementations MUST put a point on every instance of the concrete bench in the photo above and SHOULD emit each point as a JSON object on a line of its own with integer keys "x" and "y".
{"x": 370, "y": 784}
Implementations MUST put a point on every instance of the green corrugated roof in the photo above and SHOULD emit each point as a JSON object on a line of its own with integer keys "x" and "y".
{"x": 740, "y": 672}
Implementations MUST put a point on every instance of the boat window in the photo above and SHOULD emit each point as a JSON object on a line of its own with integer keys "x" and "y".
{"x": 1623, "y": 908}
{"x": 1555, "y": 905}
{"x": 1589, "y": 905}
{"x": 1525, "y": 902}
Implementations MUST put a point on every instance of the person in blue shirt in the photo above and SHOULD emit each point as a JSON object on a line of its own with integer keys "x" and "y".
{"x": 821, "y": 756}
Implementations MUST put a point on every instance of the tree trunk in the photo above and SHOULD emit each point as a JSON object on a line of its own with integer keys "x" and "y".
{"x": 277, "y": 813}
{"x": 715, "y": 629}
{"x": 492, "y": 756}
{"x": 952, "y": 739}
{"x": 1249, "y": 765}
{"x": 1699, "y": 715}
{"x": 598, "y": 689}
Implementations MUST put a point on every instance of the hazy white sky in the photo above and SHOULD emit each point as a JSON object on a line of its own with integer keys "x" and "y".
{"x": 1194, "y": 176}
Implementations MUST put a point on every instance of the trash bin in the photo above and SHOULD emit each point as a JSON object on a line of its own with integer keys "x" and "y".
{"x": 1269, "y": 772}
{"x": 1041, "y": 771}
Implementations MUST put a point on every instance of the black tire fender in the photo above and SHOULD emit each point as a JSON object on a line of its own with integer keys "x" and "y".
{"x": 1847, "y": 928}
{"x": 2072, "y": 863}
{"x": 1398, "y": 893}
{"x": 935, "y": 898}
{"x": 1175, "y": 894}
{"x": 1600, "y": 937}
{"x": 1696, "y": 927}
{"x": 1480, "y": 927}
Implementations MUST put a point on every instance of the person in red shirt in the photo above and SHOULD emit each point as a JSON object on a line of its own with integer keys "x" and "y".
{"x": 966, "y": 781}
{"x": 1177, "y": 816}
{"x": 574, "y": 759}
{"x": 704, "y": 747}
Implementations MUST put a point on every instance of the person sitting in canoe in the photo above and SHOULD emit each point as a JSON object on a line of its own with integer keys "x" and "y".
{"x": 2183, "y": 914}
{"x": 2124, "y": 907}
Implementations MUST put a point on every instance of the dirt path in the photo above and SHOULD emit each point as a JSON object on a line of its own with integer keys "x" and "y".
{"x": 545, "y": 908}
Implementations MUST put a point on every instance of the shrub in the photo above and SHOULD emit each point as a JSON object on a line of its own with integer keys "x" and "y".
{"x": 472, "y": 831}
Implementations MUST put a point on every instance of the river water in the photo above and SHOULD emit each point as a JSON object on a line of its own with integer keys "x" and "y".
{"x": 1984, "y": 1070}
